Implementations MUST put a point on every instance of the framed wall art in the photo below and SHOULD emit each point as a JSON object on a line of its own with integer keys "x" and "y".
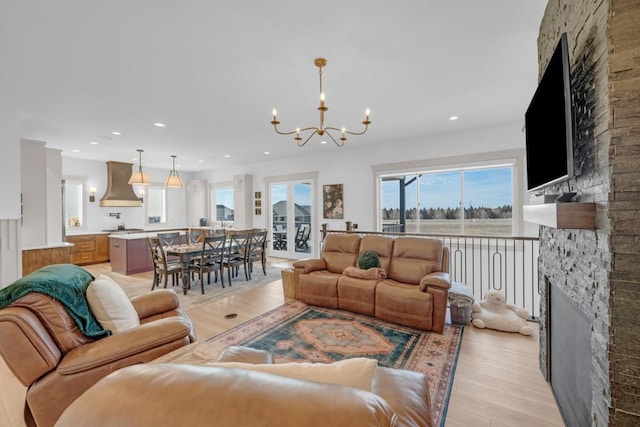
{"x": 333, "y": 201}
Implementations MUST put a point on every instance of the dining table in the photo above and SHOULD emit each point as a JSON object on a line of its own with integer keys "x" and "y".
{"x": 185, "y": 252}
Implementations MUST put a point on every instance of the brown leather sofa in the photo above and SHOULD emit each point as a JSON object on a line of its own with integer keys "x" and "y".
{"x": 171, "y": 394}
{"x": 44, "y": 349}
{"x": 414, "y": 292}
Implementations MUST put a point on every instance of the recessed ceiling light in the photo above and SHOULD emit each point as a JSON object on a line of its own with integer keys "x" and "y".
{"x": 116, "y": 133}
{"x": 266, "y": 152}
{"x": 200, "y": 161}
{"x": 227, "y": 155}
{"x": 93, "y": 143}
{"x": 323, "y": 142}
{"x": 160, "y": 125}
{"x": 75, "y": 151}
{"x": 454, "y": 118}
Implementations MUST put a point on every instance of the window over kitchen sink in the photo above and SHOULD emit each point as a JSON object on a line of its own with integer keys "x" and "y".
{"x": 75, "y": 202}
{"x": 155, "y": 205}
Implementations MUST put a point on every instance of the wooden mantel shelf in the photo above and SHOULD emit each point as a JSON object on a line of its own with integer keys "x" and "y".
{"x": 562, "y": 215}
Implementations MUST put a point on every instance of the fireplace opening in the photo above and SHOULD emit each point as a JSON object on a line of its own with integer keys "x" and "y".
{"x": 569, "y": 355}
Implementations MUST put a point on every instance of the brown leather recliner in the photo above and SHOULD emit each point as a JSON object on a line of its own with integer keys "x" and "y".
{"x": 44, "y": 349}
{"x": 414, "y": 292}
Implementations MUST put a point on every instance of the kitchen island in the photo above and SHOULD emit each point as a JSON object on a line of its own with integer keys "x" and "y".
{"x": 129, "y": 252}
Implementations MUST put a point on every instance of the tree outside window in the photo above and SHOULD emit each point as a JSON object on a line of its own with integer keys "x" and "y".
{"x": 472, "y": 201}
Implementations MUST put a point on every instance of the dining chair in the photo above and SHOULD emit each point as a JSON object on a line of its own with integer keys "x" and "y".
{"x": 169, "y": 239}
{"x": 236, "y": 253}
{"x": 161, "y": 266}
{"x": 210, "y": 259}
{"x": 195, "y": 235}
{"x": 257, "y": 250}
{"x": 219, "y": 232}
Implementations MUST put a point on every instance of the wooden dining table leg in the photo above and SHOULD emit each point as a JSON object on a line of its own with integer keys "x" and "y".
{"x": 186, "y": 277}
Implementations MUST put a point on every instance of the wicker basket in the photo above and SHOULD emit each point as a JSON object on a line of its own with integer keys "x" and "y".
{"x": 460, "y": 314}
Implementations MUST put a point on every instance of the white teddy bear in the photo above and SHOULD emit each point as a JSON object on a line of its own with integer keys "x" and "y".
{"x": 494, "y": 313}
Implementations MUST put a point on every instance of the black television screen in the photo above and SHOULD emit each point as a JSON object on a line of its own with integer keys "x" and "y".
{"x": 549, "y": 124}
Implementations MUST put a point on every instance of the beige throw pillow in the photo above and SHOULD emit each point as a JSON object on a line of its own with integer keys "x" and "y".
{"x": 111, "y": 306}
{"x": 357, "y": 372}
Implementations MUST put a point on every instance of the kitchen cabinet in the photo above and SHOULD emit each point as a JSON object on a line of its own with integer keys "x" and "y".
{"x": 89, "y": 248}
{"x": 242, "y": 201}
{"x": 196, "y": 202}
{"x": 35, "y": 258}
{"x": 102, "y": 248}
{"x": 40, "y": 183}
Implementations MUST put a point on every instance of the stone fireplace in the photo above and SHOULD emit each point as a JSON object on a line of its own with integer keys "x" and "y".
{"x": 590, "y": 279}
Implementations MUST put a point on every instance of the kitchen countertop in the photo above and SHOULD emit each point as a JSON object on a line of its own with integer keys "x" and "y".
{"x": 114, "y": 232}
{"x": 143, "y": 235}
{"x": 84, "y": 232}
{"x": 49, "y": 246}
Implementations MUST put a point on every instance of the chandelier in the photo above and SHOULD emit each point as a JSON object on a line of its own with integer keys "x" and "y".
{"x": 321, "y": 130}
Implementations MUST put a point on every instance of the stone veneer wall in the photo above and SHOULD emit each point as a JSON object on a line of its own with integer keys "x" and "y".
{"x": 624, "y": 211}
{"x": 599, "y": 270}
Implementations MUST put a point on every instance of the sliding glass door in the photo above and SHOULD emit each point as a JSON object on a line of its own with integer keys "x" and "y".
{"x": 291, "y": 218}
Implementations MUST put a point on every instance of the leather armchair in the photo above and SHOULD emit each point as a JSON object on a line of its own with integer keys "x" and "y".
{"x": 200, "y": 395}
{"x": 45, "y": 351}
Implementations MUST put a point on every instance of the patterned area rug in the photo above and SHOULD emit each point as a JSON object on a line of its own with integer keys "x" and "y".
{"x": 297, "y": 332}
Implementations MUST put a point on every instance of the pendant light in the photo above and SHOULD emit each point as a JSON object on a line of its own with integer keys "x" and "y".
{"x": 174, "y": 180}
{"x": 139, "y": 177}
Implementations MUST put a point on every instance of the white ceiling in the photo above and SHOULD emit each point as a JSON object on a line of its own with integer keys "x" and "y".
{"x": 212, "y": 71}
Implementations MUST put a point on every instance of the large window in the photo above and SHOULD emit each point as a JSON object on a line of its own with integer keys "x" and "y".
{"x": 156, "y": 206}
{"x": 222, "y": 203}
{"x": 74, "y": 202}
{"x": 470, "y": 201}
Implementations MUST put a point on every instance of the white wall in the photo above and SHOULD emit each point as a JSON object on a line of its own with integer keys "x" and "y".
{"x": 352, "y": 166}
{"x": 33, "y": 179}
{"x": 10, "y": 229}
{"x": 9, "y": 166}
{"x": 97, "y": 217}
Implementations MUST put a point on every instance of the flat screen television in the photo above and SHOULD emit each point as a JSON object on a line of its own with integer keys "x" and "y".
{"x": 549, "y": 124}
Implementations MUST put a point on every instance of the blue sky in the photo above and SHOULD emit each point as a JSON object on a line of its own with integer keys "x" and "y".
{"x": 483, "y": 187}
{"x": 302, "y": 193}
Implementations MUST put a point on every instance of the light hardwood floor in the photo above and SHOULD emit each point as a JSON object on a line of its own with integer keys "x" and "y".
{"x": 497, "y": 381}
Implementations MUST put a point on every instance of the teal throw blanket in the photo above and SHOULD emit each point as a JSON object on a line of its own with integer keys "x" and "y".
{"x": 66, "y": 283}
